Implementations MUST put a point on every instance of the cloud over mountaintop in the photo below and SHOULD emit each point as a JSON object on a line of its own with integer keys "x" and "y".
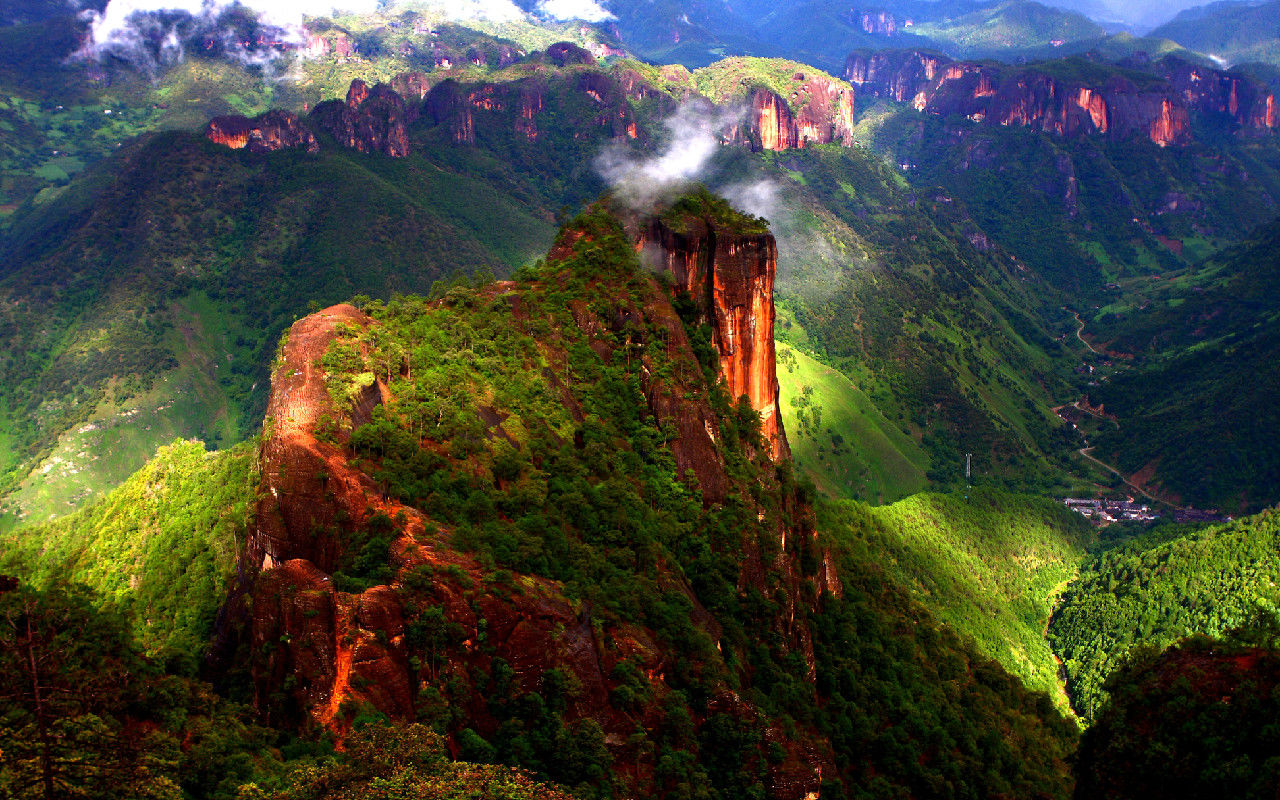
{"x": 585, "y": 10}
{"x": 694, "y": 135}
{"x": 151, "y": 33}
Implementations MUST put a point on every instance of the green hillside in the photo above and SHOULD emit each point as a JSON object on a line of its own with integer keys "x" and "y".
{"x": 160, "y": 548}
{"x": 1210, "y": 332}
{"x": 953, "y": 345}
{"x": 1159, "y": 589}
{"x": 839, "y": 438}
{"x": 1066, "y": 207}
{"x": 1234, "y": 32}
{"x": 1197, "y": 720}
{"x": 145, "y": 303}
{"x": 990, "y": 567}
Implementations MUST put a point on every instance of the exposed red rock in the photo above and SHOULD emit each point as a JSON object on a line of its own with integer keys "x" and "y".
{"x": 371, "y": 120}
{"x": 1159, "y": 108}
{"x": 822, "y": 113}
{"x": 267, "y": 133}
{"x": 517, "y": 107}
{"x": 317, "y": 650}
{"x": 731, "y": 277}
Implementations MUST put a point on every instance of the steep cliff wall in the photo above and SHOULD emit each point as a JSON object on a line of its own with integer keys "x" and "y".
{"x": 819, "y": 111}
{"x": 580, "y": 102}
{"x": 370, "y": 120}
{"x": 272, "y": 131}
{"x": 1120, "y": 104}
{"x": 731, "y": 276}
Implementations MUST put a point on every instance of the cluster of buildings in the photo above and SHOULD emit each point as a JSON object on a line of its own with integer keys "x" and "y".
{"x": 1104, "y": 511}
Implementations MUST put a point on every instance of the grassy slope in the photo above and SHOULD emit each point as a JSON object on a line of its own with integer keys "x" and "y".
{"x": 873, "y": 461}
{"x": 1234, "y": 33}
{"x": 160, "y": 547}
{"x": 1157, "y": 590}
{"x": 158, "y": 285}
{"x": 989, "y": 567}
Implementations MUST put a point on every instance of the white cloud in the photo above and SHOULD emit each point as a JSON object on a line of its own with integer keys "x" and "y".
{"x": 694, "y": 137}
{"x": 119, "y": 21}
{"x": 146, "y": 32}
{"x": 487, "y": 10}
{"x": 585, "y": 10}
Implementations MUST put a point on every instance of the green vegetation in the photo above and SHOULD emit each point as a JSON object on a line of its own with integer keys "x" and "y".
{"x": 160, "y": 549}
{"x": 839, "y": 438}
{"x": 406, "y": 761}
{"x": 1066, "y": 207}
{"x": 84, "y": 714}
{"x": 989, "y": 566}
{"x": 1212, "y": 334}
{"x": 946, "y": 340}
{"x": 909, "y": 703}
{"x": 732, "y": 78}
{"x": 1159, "y": 589}
{"x": 699, "y": 208}
{"x": 1196, "y": 721}
{"x": 1234, "y": 32}
{"x": 995, "y": 30}
{"x": 159, "y": 293}
{"x": 585, "y": 491}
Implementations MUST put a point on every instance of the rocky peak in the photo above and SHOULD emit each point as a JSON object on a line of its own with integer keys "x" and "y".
{"x": 267, "y": 133}
{"x": 321, "y": 647}
{"x": 520, "y": 106}
{"x": 566, "y": 53}
{"x": 730, "y": 274}
{"x": 369, "y": 120}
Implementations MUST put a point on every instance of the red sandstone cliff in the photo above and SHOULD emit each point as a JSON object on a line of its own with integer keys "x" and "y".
{"x": 731, "y": 278}
{"x": 820, "y": 111}
{"x": 1158, "y": 108}
{"x": 272, "y": 131}
{"x": 582, "y": 101}
{"x": 370, "y": 120}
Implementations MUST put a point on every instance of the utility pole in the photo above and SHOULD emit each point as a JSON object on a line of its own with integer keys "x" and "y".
{"x": 968, "y": 475}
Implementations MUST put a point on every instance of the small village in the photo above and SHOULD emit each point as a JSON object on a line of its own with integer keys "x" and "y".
{"x": 1104, "y": 512}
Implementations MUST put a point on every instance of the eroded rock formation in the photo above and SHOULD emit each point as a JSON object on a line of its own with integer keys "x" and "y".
{"x": 1122, "y": 105}
{"x": 731, "y": 277}
{"x": 267, "y": 133}
{"x": 520, "y": 106}
{"x": 321, "y": 647}
{"x": 370, "y": 120}
{"x": 820, "y": 111}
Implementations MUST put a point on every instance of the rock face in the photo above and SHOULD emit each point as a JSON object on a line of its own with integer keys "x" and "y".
{"x": 272, "y": 131}
{"x": 371, "y": 120}
{"x": 589, "y": 101}
{"x": 730, "y": 276}
{"x": 1122, "y": 105}
{"x": 824, "y": 116}
{"x": 320, "y": 650}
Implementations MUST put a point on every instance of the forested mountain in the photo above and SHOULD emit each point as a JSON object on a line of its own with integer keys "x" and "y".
{"x": 1235, "y": 32}
{"x": 663, "y": 400}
